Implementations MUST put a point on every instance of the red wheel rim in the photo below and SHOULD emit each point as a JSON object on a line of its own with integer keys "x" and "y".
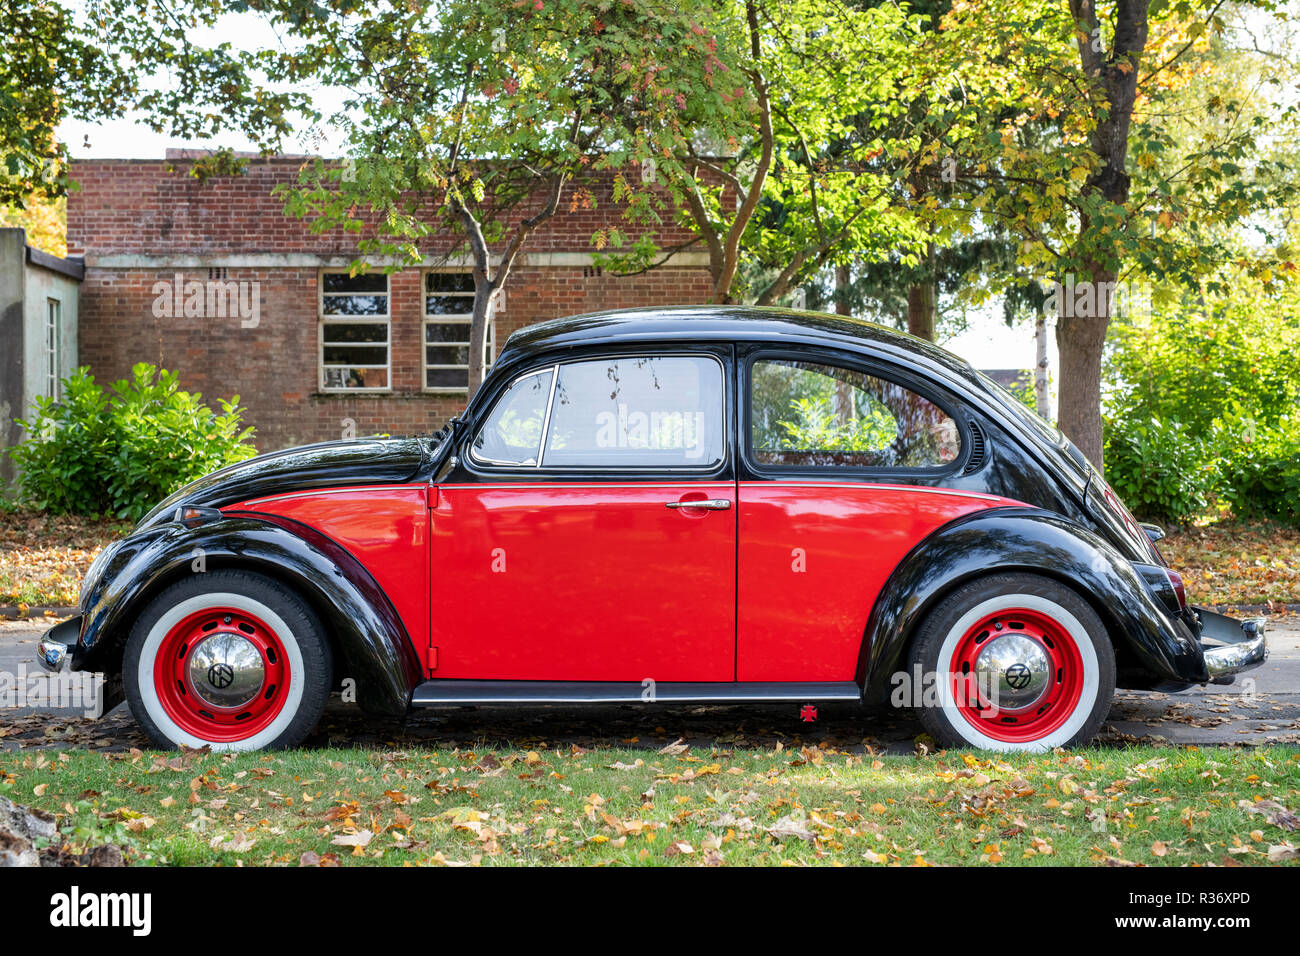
{"x": 188, "y": 646}
{"x": 1063, "y": 686}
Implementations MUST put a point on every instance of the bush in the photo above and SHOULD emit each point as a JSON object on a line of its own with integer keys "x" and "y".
{"x": 1158, "y": 470}
{"x": 1263, "y": 480}
{"x": 1202, "y": 405}
{"x": 121, "y": 453}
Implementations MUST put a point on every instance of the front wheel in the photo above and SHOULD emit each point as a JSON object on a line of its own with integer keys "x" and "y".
{"x": 1018, "y": 662}
{"x": 227, "y": 659}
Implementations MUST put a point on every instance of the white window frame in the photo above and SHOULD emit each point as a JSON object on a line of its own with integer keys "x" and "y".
{"x": 386, "y": 320}
{"x": 53, "y": 341}
{"x": 556, "y": 369}
{"x": 450, "y": 318}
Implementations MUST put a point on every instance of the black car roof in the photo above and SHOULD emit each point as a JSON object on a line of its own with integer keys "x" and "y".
{"x": 729, "y": 323}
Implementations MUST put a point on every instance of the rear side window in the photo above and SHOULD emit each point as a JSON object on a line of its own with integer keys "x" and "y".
{"x": 637, "y": 412}
{"x": 804, "y": 414}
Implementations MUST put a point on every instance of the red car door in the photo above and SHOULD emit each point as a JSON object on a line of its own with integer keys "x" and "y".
{"x": 832, "y": 499}
{"x": 588, "y": 529}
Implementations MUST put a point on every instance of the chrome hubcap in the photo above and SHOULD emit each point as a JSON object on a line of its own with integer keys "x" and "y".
{"x": 1014, "y": 670}
{"x": 226, "y": 670}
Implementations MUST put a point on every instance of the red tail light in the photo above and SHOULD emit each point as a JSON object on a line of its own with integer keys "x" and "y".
{"x": 1176, "y": 580}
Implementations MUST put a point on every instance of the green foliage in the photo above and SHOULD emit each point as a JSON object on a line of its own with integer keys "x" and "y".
{"x": 58, "y": 63}
{"x": 120, "y": 453}
{"x": 814, "y": 425}
{"x": 1157, "y": 469}
{"x": 1264, "y": 482}
{"x": 1203, "y": 406}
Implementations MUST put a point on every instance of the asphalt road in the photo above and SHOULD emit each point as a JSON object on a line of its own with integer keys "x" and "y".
{"x": 1265, "y": 711}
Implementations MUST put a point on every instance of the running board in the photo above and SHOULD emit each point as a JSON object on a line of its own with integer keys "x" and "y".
{"x": 434, "y": 693}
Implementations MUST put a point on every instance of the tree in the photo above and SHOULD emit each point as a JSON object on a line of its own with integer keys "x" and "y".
{"x": 481, "y": 121}
{"x": 54, "y": 65}
{"x": 804, "y": 172}
{"x": 1084, "y": 214}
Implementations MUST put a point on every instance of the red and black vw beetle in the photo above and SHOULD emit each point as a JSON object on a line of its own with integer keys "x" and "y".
{"x": 677, "y": 505}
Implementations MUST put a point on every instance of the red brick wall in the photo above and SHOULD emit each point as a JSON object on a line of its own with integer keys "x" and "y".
{"x": 139, "y": 208}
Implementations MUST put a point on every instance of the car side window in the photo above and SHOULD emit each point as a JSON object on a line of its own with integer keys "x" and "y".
{"x": 637, "y": 412}
{"x": 512, "y": 435}
{"x": 809, "y": 414}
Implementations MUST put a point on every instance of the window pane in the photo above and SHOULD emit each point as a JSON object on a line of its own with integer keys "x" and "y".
{"x": 513, "y": 431}
{"x": 637, "y": 412}
{"x": 446, "y": 356}
{"x": 448, "y": 304}
{"x": 342, "y": 282}
{"x": 355, "y": 304}
{"x": 447, "y": 332}
{"x": 448, "y": 282}
{"x": 356, "y": 377}
{"x": 446, "y": 378}
{"x": 355, "y": 332}
{"x": 819, "y": 415}
{"x": 355, "y": 355}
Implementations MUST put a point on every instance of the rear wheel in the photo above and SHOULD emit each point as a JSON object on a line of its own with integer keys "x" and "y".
{"x": 1018, "y": 662}
{"x": 227, "y": 659}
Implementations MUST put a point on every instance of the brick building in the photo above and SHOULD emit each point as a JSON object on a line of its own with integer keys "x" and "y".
{"x": 213, "y": 281}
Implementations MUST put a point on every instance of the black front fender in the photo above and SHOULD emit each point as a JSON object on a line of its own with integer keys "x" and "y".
{"x": 1162, "y": 647}
{"x": 371, "y": 644}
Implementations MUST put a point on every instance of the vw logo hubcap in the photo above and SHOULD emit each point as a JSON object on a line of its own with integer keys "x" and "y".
{"x": 1013, "y": 671}
{"x": 226, "y": 670}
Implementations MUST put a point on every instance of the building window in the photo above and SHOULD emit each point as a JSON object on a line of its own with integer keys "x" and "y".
{"x": 448, "y": 308}
{"x": 354, "y": 332}
{"x": 53, "y": 332}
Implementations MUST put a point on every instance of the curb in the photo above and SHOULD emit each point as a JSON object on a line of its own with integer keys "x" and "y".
{"x": 9, "y": 612}
{"x": 1261, "y": 610}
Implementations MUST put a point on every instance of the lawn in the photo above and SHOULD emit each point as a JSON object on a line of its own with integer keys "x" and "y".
{"x": 633, "y": 805}
{"x": 42, "y": 559}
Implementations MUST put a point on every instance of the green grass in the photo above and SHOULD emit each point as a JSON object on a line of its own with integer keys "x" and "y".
{"x": 635, "y": 805}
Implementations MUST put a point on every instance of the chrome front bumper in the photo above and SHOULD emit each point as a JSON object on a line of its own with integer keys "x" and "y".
{"x": 1230, "y": 646}
{"x": 54, "y": 650}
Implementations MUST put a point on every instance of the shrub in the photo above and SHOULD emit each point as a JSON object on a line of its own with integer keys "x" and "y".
{"x": 1202, "y": 405}
{"x": 1263, "y": 479}
{"x": 1159, "y": 471}
{"x": 121, "y": 453}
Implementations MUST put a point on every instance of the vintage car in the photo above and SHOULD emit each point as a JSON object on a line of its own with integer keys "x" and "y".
{"x": 712, "y": 504}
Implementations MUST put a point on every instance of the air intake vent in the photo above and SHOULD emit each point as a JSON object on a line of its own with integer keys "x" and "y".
{"x": 978, "y": 449}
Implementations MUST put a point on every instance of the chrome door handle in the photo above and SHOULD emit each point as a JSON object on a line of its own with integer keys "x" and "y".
{"x": 708, "y": 504}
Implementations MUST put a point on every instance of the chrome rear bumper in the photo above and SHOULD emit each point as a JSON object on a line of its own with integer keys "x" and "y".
{"x": 1231, "y": 646}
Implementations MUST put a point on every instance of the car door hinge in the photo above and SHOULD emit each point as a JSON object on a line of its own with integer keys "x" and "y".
{"x": 433, "y": 658}
{"x": 431, "y": 495}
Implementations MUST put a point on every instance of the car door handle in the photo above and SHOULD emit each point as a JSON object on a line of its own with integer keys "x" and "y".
{"x": 707, "y": 504}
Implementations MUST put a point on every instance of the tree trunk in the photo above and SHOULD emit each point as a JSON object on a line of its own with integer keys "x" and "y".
{"x": 920, "y": 310}
{"x": 484, "y": 301}
{"x": 845, "y": 410}
{"x": 1080, "y": 339}
{"x": 1042, "y": 394}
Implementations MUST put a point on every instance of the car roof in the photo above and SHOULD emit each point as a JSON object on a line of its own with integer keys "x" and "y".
{"x": 730, "y": 323}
